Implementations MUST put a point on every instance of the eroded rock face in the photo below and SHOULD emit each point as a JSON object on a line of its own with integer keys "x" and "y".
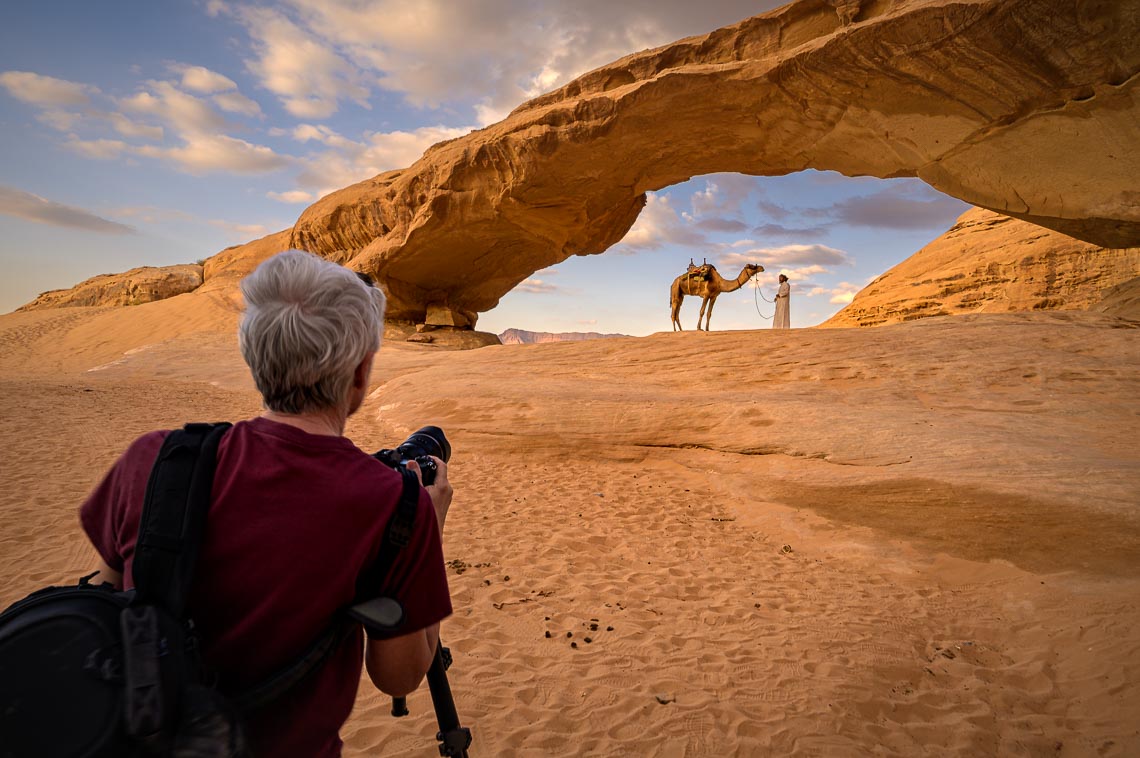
{"x": 1123, "y": 300}
{"x": 1029, "y": 107}
{"x": 137, "y": 286}
{"x": 989, "y": 263}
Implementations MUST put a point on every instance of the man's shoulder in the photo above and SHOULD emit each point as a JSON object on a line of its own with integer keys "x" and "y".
{"x": 144, "y": 449}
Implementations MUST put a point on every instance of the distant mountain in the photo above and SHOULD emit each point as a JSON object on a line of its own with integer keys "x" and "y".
{"x": 523, "y": 337}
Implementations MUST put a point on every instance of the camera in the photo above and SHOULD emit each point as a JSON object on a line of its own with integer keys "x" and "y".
{"x": 428, "y": 441}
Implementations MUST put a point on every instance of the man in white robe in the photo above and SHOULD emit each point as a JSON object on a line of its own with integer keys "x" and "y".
{"x": 783, "y": 317}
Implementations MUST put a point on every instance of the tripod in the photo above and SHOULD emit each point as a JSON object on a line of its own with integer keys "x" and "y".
{"x": 385, "y": 615}
{"x": 453, "y": 738}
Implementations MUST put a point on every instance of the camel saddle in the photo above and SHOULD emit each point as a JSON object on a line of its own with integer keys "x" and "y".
{"x": 703, "y": 271}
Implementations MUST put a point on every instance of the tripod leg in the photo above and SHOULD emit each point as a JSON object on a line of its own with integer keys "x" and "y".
{"x": 454, "y": 739}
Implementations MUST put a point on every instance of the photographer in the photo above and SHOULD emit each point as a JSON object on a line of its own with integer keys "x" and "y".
{"x": 298, "y": 514}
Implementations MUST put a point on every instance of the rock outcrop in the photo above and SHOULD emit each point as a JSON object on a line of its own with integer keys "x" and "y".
{"x": 989, "y": 263}
{"x": 1028, "y": 107}
{"x": 137, "y": 286}
{"x": 223, "y": 271}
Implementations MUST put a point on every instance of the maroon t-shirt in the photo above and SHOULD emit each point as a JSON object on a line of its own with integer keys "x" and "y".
{"x": 295, "y": 519}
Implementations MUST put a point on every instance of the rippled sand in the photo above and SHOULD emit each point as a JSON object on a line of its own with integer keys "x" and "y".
{"x": 919, "y": 539}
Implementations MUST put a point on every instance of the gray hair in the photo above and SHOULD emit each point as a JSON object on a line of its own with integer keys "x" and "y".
{"x": 308, "y": 323}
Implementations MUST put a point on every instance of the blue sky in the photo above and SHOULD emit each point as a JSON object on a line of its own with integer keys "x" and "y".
{"x": 152, "y": 133}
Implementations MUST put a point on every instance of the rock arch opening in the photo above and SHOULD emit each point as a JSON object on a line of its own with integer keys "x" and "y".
{"x": 829, "y": 233}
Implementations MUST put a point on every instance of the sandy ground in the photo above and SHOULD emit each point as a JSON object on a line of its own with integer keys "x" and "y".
{"x": 915, "y": 540}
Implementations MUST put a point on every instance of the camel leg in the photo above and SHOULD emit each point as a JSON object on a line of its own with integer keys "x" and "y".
{"x": 701, "y": 315}
{"x": 675, "y": 307}
{"x": 708, "y": 318}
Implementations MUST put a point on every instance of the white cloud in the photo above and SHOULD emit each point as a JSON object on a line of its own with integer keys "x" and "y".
{"x": 789, "y": 255}
{"x": 722, "y": 225}
{"x": 435, "y": 51}
{"x": 66, "y": 121}
{"x": 487, "y": 113}
{"x": 129, "y": 128}
{"x": 799, "y": 275}
{"x": 536, "y": 287}
{"x": 322, "y": 134}
{"x": 705, "y": 200}
{"x": 194, "y": 121}
{"x": 203, "y": 153}
{"x": 399, "y": 149}
{"x": 235, "y": 102}
{"x": 240, "y": 231}
{"x": 717, "y": 207}
{"x": 309, "y": 77}
{"x": 45, "y": 90}
{"x": 204, "y": 147}
{"x": 25, "y": 205}
{"x": 151, "y": 214}
{"x": 659, "y": 225}
{"x": 292, "y": 196}
{"x": 803, "y": 272}
{"x": 349, "y": 162}
{"x": 842, "y": 294}
{"x": 204, "y": 81}
{"x": 97, "y": 149}
{"x": 909, "y": 204}
{"x": 184, "y": 113}
{"x": 801, "y": 232}
{"x": 61, "y": 121}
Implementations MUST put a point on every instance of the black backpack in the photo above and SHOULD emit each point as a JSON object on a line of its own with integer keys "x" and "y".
{"x": 91, "y": 671}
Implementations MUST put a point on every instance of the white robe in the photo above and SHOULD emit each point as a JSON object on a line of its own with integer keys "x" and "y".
{"x": 783, "y": 317}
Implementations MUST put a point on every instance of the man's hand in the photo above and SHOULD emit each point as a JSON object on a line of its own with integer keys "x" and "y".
{"x": 440, "y": 490}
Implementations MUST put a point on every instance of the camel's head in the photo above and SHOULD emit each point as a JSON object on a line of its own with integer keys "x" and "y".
{"x": 754, "y": 269}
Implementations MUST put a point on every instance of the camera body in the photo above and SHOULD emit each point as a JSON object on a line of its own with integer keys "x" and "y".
{"x": 419, "y": 447}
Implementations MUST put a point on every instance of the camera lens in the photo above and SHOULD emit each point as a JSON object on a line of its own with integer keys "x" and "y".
{"x": 429, "y": 440}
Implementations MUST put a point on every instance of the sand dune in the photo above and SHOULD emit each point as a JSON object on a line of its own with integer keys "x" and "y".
{"x": 917, "y": 539}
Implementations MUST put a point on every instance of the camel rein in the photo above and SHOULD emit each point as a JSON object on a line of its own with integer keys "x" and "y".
{"x": 756, "y": 289}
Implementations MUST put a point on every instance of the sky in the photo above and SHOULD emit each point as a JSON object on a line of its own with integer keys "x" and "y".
{"x": 157, "y": 132}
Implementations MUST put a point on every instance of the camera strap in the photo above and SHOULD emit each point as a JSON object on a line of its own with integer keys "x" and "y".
{"x": 403, "y": 521}
{"x": 397, "y": 536}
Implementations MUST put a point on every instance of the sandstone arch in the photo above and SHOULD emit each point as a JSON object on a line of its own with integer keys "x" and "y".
{"x": 1026, "y": 107}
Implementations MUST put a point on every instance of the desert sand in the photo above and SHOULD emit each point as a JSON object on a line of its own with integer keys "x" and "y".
{"x": 920, "y": 539}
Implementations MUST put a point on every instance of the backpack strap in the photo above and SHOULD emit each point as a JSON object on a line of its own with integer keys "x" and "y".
{"x": 174, "y": 515}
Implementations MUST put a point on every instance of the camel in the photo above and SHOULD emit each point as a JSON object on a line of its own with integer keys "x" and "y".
{"x": 707, "y": 285}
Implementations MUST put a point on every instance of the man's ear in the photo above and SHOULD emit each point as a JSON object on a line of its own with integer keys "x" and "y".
{"x": 362, "y": 371}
